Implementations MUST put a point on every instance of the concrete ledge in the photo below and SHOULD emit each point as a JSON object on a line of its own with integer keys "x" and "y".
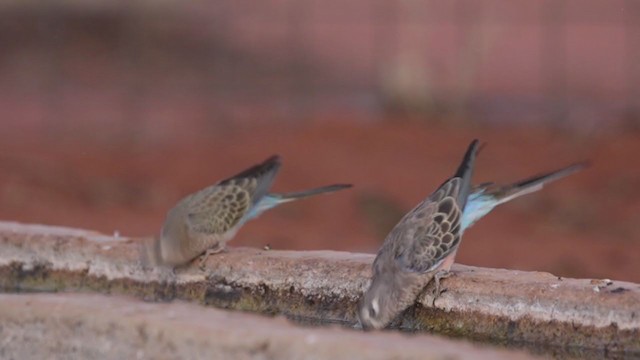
{"x": 91, "y": 326}
{"x": 319, "y": 287}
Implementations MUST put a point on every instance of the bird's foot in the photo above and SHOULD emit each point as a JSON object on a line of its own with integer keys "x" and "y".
{"x": 437, "y": 291}
{"x": 207, "y": 253}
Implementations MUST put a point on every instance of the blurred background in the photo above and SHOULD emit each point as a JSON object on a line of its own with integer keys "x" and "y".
{"x": 111, "y": 111}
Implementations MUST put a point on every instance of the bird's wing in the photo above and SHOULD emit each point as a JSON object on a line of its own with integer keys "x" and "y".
{"x": 430, "y": 232}
{"x": 217, "y": 209}
{"x": 257, "y": 179}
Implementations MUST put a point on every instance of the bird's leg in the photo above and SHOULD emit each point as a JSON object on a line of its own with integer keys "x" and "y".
{"x": 210, "y": 251}
{"x": 441, "y": 274}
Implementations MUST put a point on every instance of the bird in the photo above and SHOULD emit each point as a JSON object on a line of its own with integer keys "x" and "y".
{"x": 422, "y": 247}
{"x": 202, "y": 223}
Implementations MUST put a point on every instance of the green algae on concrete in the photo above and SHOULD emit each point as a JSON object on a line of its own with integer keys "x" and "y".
{"x": 508, "y": 308}
{"x": 557, "y": 338}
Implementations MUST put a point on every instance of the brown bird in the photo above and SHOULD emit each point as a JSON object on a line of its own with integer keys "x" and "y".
{"x": 423, "y": 245}
{"x": 203, "y": 222}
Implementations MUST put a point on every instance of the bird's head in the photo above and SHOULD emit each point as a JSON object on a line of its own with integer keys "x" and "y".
{"x": 168, "y": 245}
{"x": 377, "y": 307}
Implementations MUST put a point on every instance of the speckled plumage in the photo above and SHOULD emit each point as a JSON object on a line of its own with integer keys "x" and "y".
{"x": 206, "y": 220}
{"x": 417, "y": 247}
{"x": 423, "y": 245}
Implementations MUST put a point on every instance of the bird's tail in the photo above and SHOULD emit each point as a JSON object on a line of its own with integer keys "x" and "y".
{"x": 535, "y": 183}
{"x": 306, "y": 193}
{"x": 465, "y": 172}
{"x": 272, "y": 200}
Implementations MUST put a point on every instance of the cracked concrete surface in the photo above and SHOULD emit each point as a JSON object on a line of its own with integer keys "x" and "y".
{"x": 323, "y": 287}
{"x": 83, "y": 326}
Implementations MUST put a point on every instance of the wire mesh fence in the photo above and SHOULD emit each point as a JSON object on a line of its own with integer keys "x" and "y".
{"x": 142, "y": 65}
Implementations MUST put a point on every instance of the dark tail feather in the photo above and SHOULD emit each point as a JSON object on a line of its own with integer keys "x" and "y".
{"x": 270, "y": 165}
{"x": 311, "y": 192}
{"x": 465, "y": 172}
{"x": 537, "y": 182}
{"x": 264, "y": 172}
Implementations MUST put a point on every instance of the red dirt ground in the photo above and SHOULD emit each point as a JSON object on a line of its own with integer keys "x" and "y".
{"x": 583, "y": 226}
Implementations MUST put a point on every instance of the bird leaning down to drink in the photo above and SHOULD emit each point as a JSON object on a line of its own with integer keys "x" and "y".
{"x": 423, "y": 245}
{"x": 203, "y": 222}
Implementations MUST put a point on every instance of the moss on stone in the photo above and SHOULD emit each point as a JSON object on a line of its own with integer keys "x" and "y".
{"x": 556, "y": 338}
